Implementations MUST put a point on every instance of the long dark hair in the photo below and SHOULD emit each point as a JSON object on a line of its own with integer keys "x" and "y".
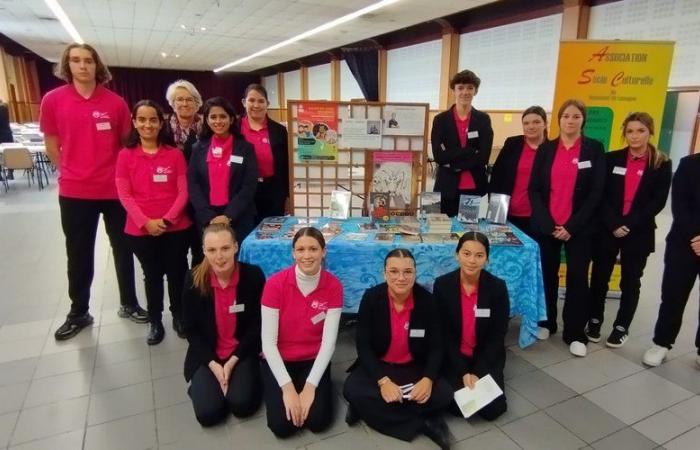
{"x": 536, "y": 109}
{"x": 224, "y": 104}
{"x": 399, "y": 253}
{"x": 310, "y": 232}
{"x": 164, "y": 137}
{"x": 473, "y": 236}
{"x": 655, "y": 156}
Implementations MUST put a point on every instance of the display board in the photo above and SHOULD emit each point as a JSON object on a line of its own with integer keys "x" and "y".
{"x": 355, "y": 147}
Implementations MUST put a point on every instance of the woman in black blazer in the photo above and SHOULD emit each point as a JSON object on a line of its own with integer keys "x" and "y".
{"x": 461, "y": 140}
{"x": 221, "y": 317}
{"x": 394, "y": 386}
{"x": 567, "y": 181}
{"x": 269, "y": 138}
{"x": 511, "y": 172}
{"x": 223, "y": 153}
{"x": 637, "y": 182}
{"x": 474, "y": 310}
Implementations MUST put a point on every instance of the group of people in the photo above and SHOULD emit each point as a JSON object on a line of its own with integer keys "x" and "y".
{"x": 157, "y": 181}
{"x": 567, "y": 192}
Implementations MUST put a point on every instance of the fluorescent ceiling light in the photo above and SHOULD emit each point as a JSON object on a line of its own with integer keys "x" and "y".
{"x": 65, "y": 21}
{"x": 309, "y": 33}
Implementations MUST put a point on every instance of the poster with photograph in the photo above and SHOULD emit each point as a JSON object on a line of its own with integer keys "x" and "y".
{"x": 317, "y": 131}
{"x": 404, "y": 120}
{"x": 361, "y": 133}
{"x": 393, "y": 172}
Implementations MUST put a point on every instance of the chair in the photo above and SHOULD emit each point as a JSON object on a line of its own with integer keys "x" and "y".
{"x": 20, "y": 158}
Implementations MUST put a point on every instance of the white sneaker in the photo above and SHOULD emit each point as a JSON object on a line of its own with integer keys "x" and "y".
{"x": 578, "y": 348}
{"x": 542, "y": 333}
{"x": 655, "y": 355}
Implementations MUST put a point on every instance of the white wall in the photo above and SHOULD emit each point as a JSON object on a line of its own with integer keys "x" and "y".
{"x": 270, "y": 84}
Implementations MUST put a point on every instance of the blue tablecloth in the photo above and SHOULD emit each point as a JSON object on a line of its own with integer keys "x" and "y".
{"x": 359, "y": 265}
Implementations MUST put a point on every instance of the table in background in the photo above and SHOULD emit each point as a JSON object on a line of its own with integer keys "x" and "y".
{"x": 359, "y": 265}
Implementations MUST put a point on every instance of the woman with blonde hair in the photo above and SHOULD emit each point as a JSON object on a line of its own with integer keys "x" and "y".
{"x": 637, "y": 182}
{"x": 221, "y": 317}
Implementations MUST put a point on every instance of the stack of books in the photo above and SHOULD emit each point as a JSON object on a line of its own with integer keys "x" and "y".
{"x": 438, "y": 223}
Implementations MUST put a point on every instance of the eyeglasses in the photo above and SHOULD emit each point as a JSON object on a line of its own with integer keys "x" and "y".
{"x": 395, "y": 273}
{"x": 184, "y": 100}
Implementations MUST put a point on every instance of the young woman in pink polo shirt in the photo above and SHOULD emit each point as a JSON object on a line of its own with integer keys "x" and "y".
{"x": 474, "y": 310}
{"x": 300, "y": 310}
{"x": 512, "y": 170}
{"x": 221, "y": 305}
{"x": 223, "y": 171}
{"x": 394, "y": 385}
{"x": 566, "y": 185}
{"x": 637, "y": 182}
{"x": 152, "y": 185}
{"x": 269, "y": 138}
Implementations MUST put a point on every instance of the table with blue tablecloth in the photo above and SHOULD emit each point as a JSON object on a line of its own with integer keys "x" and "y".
{"x": 358, "y": 264}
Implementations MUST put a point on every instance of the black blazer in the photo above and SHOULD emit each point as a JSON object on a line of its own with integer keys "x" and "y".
{"x": 490, "y": 352}
{"x": 506, "y": 166}
{"x": 242, "y": 183}
{"x": 280, "y": 156}
{"x": 199, "y": 322}
{"x": 649, "y": 199}
{"x": 685, "y": 201}
{"x": 587, "y": 191}
{"x": 374, "y": 332}
{"x": 452, "y": 158}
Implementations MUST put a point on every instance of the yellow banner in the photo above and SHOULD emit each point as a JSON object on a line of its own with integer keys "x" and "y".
{"x": 613, "y": 79}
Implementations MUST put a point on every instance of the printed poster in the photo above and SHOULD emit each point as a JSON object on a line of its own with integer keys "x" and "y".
{"x": 393, "y": 172}
{"x": 404, "y": 120}
{"x": 317, "y": 131}
{"x": 361, "y": 133}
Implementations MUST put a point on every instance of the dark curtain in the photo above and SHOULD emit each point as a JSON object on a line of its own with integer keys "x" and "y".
{"x": 135, "y": 84}
{"x": 364, "y": 65}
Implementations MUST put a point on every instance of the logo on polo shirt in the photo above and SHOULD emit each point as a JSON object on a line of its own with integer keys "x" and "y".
{"x": 317, "y": 304}
{"x": 100, "y": 115}
{"x": 405, "y": 326}
{"x": 164, "y": 170}
{"x": 640, "y": 172}
{"x": 575, "y": 160}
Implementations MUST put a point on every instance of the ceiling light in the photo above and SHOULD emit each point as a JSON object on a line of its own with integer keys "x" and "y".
{"x": 163, "y": 54}
{"x": 183, "y": 26}
{"x": 306, "y": 34}
{"x": 202, "y": 28}
{"x": 177, "y": 55}
{"x": 65, "y": 21}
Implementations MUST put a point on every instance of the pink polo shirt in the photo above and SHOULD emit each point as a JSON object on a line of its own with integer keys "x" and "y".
{"x": 398, "y": 352}
{"x": 633, "y": 175}
{"x": 301, "y": 318}
{"x": 563, "y": 181}
{"x": 466, "y": 181}
{"x": 225, "y": 314}
{"x": 219, "y": 165}
{"x": 261, "y": 142}
{"x": 519, "y": 200}
{"x": 90, "y": 132}
{"x": 152, "y": 186}
{"x": 468, "y": 340}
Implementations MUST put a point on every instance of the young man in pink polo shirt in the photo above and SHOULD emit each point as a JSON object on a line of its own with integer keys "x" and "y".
{"x": 84, "y": 125}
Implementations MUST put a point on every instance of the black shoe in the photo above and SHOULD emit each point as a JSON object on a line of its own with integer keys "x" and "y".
{"x": 617, "y": 338}
{"x": 351, "y": 417}
{"x": 177, "y": 327}
{"x": 133, "y": 313}
{"x": 156, "y": 333}
{"x": 436, "y": 429}
{"x": 593, "y": 330}
{"x": 72, "y": 326}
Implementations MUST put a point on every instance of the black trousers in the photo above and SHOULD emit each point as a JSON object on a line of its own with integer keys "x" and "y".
{"x": 164, "y": 255}
{"x": 242, "y": 399}
{"x": 269, "y": 200}
{"x": 79, "y": 219}
{"x": 681, "y": 268}
{"x": 632, "y": 263}
{"x": 522, "y": 224}
{"x": 489, "y": 412}
{"x": 321, "y": 412}
{"x": 578, "y": 258}
{"x": 400, "y": 420}
{"x": 450, "y": 206}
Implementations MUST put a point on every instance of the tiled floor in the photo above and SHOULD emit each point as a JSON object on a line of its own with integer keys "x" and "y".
{"x": 106, "y": 389}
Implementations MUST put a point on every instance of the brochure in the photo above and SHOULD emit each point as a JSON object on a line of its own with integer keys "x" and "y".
{"x": 469, "y": 208}
{"x": 498, "y": 208}
{"x": 379, "y": 206}
{"x": 472, "y": 400}
{"x": 340, "y": 204}
{"x": 429, "y": 203}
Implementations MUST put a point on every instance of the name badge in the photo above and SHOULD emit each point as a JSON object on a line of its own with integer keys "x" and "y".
{"x": 318, "y": 317}
{"x": 617, "y": 170}
{"x": 417, "y": 333}
{"x": 473, "y": 134}
{"x": 584, "y": 164}
{"x": 238, "y": 307}
{"x": 482, "y": 312}
{"x": 103, "y": 126}
{"x": 160, "y": 178}
{"x": 236, "y": 159}
{"x": 216, "y": 152}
